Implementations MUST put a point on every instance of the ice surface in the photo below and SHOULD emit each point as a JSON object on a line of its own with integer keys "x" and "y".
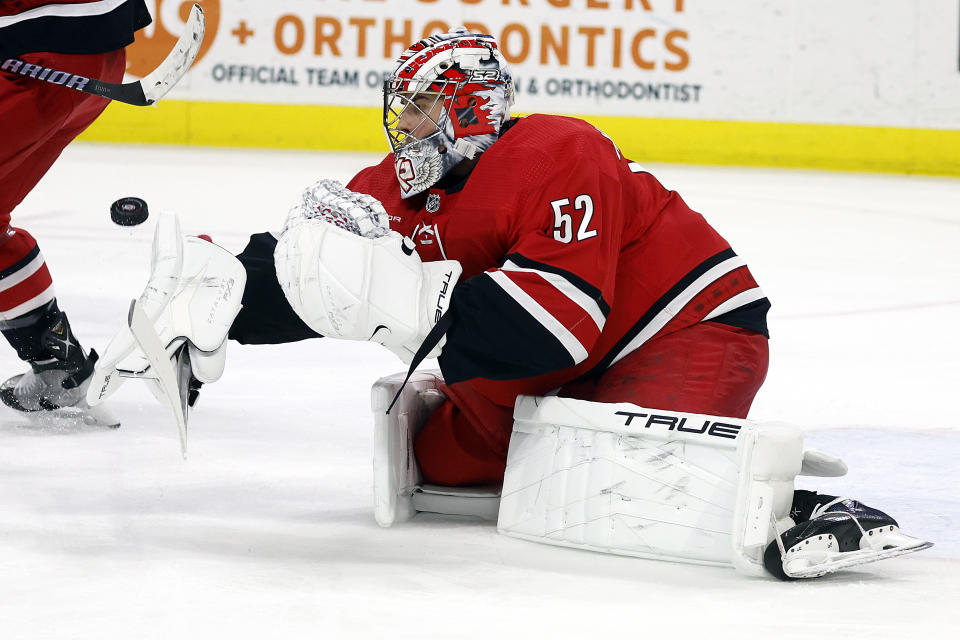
{"x": 267, "y": 529}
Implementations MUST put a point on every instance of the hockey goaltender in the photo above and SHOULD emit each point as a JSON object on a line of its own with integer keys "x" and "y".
{"x": 599, "y": 343}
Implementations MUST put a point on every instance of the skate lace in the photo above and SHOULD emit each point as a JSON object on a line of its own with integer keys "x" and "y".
{"x": 818, "y": 511}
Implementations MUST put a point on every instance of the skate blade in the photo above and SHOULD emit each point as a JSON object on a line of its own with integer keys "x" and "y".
{"x": 74, "y": 419}
{"x": 832, "y": 562}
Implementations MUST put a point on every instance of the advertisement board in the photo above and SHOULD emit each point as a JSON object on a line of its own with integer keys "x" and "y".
{"x": 738, "y": 81}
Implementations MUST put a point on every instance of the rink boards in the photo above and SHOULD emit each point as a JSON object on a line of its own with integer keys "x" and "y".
{"x": 862, "y": 86}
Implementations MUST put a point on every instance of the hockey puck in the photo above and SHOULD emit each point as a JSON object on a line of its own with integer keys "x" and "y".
{"x": 129, "y": 211}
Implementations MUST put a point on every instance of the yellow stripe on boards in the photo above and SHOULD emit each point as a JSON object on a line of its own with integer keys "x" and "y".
{"x": 229, "y": 124}
{"x": 767, "y": 144}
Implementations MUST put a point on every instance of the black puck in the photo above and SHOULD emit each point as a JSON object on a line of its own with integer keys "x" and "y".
{"x": 129, "y": 211}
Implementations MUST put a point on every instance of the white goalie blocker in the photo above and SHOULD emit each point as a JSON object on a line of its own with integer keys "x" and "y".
{"x": 177, "y": 328}
{"x": 613, "y": 478}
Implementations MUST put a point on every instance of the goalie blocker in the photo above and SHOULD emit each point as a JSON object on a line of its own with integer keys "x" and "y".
{"x": 624, "y": 479}
{"x": 176, "y": 338}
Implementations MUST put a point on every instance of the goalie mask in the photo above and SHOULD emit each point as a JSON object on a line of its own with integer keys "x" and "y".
{"x": 445, "y": 101}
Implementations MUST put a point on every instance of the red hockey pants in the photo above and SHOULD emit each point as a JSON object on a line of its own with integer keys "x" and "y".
{"x": 37, "y": 120}
{"x": 706, "y": 368}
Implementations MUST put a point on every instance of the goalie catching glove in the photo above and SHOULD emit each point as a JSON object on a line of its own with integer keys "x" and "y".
{"x": 347, "y": 275}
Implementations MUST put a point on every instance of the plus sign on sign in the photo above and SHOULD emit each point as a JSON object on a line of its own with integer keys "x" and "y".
{"x": 242, "y": 32}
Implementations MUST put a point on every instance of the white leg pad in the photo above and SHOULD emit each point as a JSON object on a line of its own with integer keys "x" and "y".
{"x": 479, "y": 502}
{"x": 771, "y": 456}
{"x": 398, "y": 488}
{"x": 396, "y": 475}
{"x": 668, "y": 485}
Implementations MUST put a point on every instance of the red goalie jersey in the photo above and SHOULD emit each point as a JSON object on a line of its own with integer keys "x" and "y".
{"x": 573, "y": 258}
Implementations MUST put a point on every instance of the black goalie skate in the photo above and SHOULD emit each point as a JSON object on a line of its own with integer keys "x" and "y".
{"x": 53, "y": 392}
{"x": 834, "y": 533}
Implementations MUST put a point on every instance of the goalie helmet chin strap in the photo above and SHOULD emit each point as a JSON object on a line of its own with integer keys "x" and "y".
{"x": 436, "y": 333}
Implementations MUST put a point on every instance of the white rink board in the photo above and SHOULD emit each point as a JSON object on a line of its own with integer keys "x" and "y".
{"x": 887, "y": 63}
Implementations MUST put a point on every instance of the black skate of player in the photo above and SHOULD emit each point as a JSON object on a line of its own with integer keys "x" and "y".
{"x": 834, "y": 533}
{"x": 53, "y": 392}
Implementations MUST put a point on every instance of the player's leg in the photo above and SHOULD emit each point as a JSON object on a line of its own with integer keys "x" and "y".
{"x": 465, "y": 441}
{"x": 39, "y": 120}
{"x": 39, "y": 332}
{"x": 706, "y": 368}
{"x": 452, "y": 453}
{"x": 461, "y": 472}
{"x": 36, "y": 123}
{"x": 717, "y": 370}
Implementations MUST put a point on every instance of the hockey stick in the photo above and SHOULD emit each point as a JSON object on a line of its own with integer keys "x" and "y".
{"x": 141, "y": 93}
{"x": 167, "y": 376}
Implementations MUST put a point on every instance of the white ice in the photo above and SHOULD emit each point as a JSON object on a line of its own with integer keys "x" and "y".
{"x": 266, "y": 530}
